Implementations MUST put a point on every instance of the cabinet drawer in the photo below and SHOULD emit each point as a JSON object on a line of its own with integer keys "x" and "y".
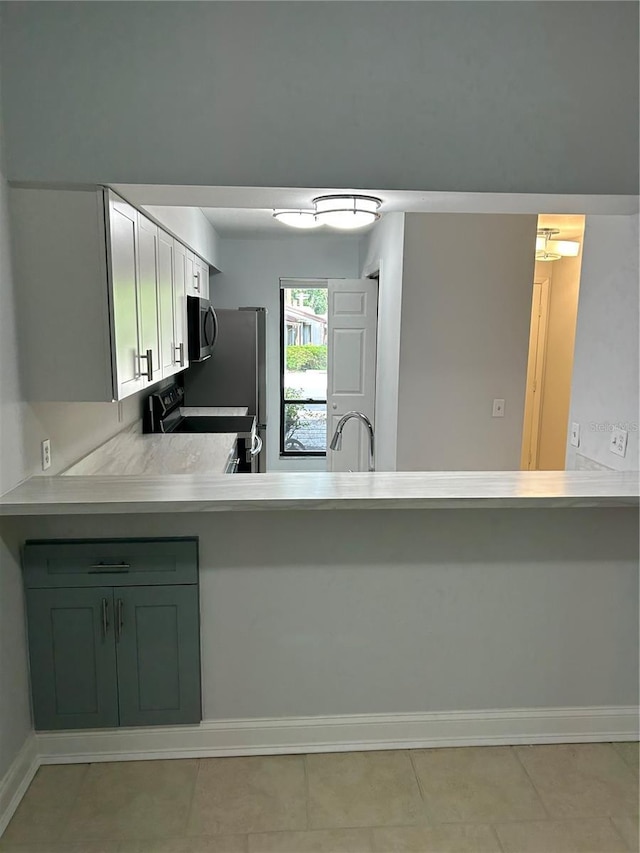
{"x": 110, "y": 562}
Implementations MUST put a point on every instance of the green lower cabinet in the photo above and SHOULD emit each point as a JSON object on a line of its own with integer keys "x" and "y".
{"x": 158, "y": 653}
{"x": 107, "y": 653}
{"x": 73, "y": 658}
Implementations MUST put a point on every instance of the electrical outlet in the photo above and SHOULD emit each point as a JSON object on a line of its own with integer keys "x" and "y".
{"x": 618, "y": 443}
{"x": 498, "y": 409}
{"x": 575, "y": 435}
{"x": 45, "y": 449}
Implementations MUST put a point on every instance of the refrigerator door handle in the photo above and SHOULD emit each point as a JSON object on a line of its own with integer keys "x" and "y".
{"x": 256, "y": 446}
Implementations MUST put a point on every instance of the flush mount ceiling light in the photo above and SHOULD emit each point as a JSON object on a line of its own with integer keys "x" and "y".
{"x": 548, "y": 249}
{"x": 297, "y": 218}
{"x": 346, "y": 211}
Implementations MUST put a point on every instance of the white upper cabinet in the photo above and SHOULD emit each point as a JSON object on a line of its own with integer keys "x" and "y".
{"x": 166, "y": 304}
{"x": 190, "y": 273}
{"x": 102, "y": 297}
{"x": 150, "y": 367}
{"x": 123, "y": 230}
{"x": 181, "y": 350}
{"x": 201, "y": 277}
{"x": 196, "y": 276}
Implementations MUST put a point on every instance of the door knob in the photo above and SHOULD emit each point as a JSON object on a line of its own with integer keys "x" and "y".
{"x": 334, "y": 406}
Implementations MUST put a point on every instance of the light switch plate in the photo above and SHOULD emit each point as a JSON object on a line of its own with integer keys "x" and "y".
{"x": 618, "y": 443}
{"x": 575, "y": 435}
{"x": 498, "y": 409}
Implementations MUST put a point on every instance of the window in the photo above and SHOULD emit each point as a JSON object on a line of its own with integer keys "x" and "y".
{"x": 303, "y": 368}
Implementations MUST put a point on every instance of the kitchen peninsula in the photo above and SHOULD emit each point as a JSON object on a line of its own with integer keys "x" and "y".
{"x": 382, "y": 490}
{"x": 494, "y": 608}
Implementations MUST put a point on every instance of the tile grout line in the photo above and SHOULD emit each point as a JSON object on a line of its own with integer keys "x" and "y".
{"x": 372, "y": 843}
{"x": 430, "y": 818}
{"x": 192, "y": 798}
{"x": 532, "y": 783}
{"x": 306, "y": 789}
{"x": 67, "y": 820}
{"x": 618, "y": 833}
{"x": 494, "y": 830}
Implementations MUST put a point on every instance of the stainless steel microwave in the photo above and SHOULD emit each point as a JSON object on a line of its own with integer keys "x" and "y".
{"x": 202, "y": 326}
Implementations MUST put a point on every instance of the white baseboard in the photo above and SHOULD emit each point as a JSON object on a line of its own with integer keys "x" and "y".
{"x": 314, "y": 734}
{"x": 17, "y": 779}
{"x": 341, "y": 733}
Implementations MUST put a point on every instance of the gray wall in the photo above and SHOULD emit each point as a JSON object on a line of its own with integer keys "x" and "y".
{"x": 191, "y": 225}
{"x": 604, "y": 390}
{"x": 15, "y": 715}
{"x": 466, "y": 310}
{"x": 252, "y": 272}
{"x": 382, "y": 249}
{"x": 386, "y": 611}
{"x": 485, "y": 96}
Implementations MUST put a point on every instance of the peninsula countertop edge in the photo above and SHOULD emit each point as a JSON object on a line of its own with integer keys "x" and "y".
{"x": 185, "y": 493}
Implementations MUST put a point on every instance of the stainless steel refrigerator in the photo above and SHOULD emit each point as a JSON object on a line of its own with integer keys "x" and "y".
{"x": 236, "y": 373}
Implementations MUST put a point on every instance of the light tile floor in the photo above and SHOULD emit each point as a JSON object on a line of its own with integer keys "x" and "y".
{"x": 579, "y": 798}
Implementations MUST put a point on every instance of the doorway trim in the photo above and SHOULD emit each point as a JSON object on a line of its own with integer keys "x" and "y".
{"x": 535, "y": 374}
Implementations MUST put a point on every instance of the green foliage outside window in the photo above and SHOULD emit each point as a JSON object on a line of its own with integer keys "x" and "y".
{"x": 307, "y": 357}
{"x": 314, "y": 298}
{"x": 292, "y": 411}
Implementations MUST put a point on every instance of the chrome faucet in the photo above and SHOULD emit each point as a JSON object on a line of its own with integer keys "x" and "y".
{"x": 336, "y": 441}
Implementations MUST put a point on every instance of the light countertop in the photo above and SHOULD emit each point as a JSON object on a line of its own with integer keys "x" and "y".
{"x": 131, "y": 452}
{"x": 182, "y": 493}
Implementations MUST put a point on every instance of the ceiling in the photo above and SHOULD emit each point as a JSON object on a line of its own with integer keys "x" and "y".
{"x": 569, "y": 225}
{"x": 243, "y": 211}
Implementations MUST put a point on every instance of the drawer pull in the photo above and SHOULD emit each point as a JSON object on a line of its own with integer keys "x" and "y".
{"x": 96, "y": 568}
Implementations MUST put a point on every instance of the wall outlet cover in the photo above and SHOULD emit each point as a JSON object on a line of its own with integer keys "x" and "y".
{"x": 575, "y": 435}
{"x": 618, "y": 443}
{"x": 45, "y": 450}
{"x": 498, "y": 409}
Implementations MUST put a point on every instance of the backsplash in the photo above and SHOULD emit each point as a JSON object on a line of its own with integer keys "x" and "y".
{"x": 74, "y": 429}
{"x": 584, "y": 463}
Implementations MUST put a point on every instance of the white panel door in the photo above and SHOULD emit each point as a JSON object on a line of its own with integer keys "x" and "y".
{"x": 351, "y": 367}
{"x": 166, "y": 304}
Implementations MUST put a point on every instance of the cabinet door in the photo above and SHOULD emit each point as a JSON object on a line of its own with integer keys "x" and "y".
{"x": 73, "y": 658}
{"x": 158, "y": 654}
{"x": 202, "y": 278}
{"x": 190, "y": 277}
{"x": 148, "y": 299}
{"x": 170, "y": 356}
{"x": 123, "y": 227}
{"x": 180, "y": 303}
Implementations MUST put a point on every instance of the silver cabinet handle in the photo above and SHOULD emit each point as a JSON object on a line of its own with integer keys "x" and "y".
{"x": 196, "y": 276}
{"x": 105, "y": 618}
{"x": 257, "y": 446}
{"x": 109, "y": 567}
{"x": 149, "y": 356}
{"x": 180, "y": 350}
{"x": 119, "y": 619}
